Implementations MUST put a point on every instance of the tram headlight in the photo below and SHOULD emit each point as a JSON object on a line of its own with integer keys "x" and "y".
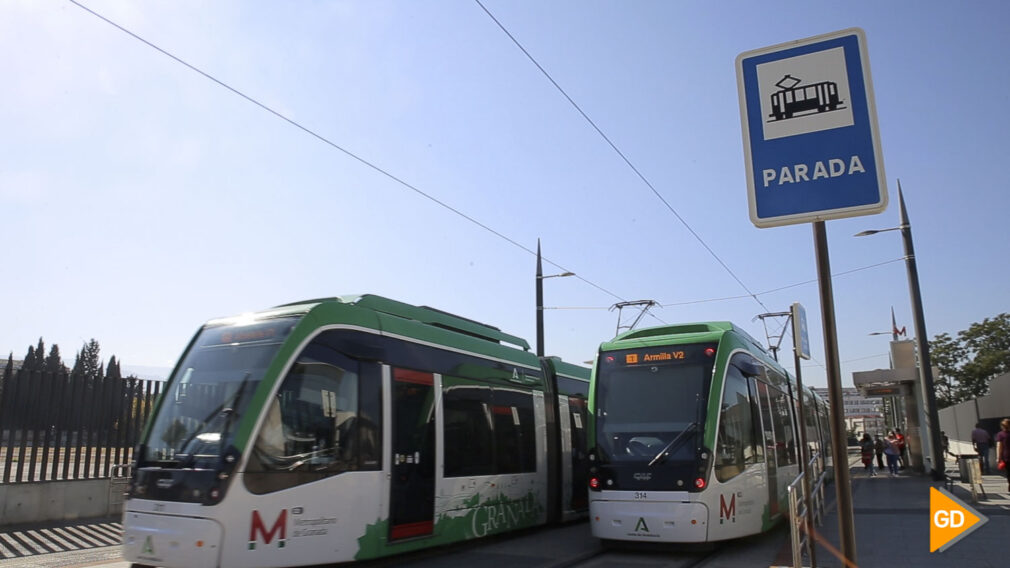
{"x": 213, "y": 496}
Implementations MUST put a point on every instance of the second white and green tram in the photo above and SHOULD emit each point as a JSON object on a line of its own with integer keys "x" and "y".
{"x": 693, "y": 435}
{"x": 352, "y": 428}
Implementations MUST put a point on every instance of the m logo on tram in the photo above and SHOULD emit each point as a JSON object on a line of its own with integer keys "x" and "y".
{"x": 256, "y": 527}
{"x": 727, "y": 513}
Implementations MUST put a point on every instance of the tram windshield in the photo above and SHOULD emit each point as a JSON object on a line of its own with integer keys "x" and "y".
{"x": 650, "y": 403}
{"x": 210, "y": 391}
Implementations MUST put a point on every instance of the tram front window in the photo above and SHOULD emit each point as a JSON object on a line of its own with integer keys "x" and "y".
{"x": 210, "y": 392}
{"x": 650, "y": 402}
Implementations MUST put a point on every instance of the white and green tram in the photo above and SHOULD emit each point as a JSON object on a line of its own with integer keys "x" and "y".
{"x": 352, "y": 428}
{"x": 693, "y": 435}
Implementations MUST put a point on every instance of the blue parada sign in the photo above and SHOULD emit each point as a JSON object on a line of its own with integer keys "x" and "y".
{"x": 810, "y": 131}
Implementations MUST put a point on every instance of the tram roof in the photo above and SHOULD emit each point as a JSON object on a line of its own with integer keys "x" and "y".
{"x": 678, "y": 333}
{"x": 422, "y": 314}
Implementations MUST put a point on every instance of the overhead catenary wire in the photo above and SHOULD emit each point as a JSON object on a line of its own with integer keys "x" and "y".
{"x": 371, "y": 165}
{"x": 445, "y": 205}
{"x": 623, "y": 156}
{"x": 742, "y": 296}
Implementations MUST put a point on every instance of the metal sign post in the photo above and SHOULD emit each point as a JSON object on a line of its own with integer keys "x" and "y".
{"x": 812, "y": 153}
{"x": 839, "y": 444}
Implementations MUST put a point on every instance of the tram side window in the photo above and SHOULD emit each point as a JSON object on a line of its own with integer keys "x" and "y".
{"x": 822, "y": 420}
{"x": 810, "y": 417}
{"x": 469, "y": 438}
{"x": 736, "y": 445}
{"x": 759, "y": 444}
{"x": 487, "y": 430}
{"x": 783, "y": 423}
{"x": 515, "y": 432}
{"x": 316, "y": 425}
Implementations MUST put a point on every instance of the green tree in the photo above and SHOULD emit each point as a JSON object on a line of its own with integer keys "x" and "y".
{"x": 5, "y": 379}
{"x": 969, "y": 363}
{"x": 54, "y": 363}
{"x": 946, "y": 354}
{"x": 29, "y": 363}
{"x": 113, "y": 371}
{"x": 87, "y": 364}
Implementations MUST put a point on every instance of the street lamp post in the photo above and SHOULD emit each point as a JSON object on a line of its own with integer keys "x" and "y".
{"x": 925, "y": 365}
{"x": 890, "y": 402}
{"x": 540, "y": 299}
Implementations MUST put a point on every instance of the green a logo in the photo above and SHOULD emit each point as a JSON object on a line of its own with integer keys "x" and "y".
{"x": 640, "y": 526}
{"x": 148, "y": 546}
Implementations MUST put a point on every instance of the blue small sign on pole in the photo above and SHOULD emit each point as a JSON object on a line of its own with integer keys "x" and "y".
{"x": 810, "y": 131}
{"x": 801, "y": 339}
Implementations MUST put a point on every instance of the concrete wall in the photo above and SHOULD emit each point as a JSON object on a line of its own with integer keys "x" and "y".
{"x": 60, "y": 500}
{"x": 959, "y": 420}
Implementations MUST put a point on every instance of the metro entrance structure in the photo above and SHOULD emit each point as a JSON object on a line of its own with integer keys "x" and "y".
{"x": 902, "y": 386}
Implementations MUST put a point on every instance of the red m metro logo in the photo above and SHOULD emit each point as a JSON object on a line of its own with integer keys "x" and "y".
{"x": 727, "y": 512}
{"x": 257, "y": 528}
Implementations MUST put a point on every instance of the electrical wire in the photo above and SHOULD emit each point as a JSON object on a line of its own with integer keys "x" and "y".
{"x": 727, "y": 298}
{"x": 334, "y": 145}
{"x": 623, "y": 156}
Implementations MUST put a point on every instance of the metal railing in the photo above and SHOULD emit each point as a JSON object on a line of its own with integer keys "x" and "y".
{"x": 798, "y": 513}
{"x": 58, "y": 426}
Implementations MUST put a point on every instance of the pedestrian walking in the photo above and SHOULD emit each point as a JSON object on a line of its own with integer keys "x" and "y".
{"x": 902, "y": 454}
{"x": 982, "y": 441}
{"x": 866, "y": 448}
{"x": 1003, "y": 449}
{"x": 878, "y": 448}
{"x": 892, "y": 452}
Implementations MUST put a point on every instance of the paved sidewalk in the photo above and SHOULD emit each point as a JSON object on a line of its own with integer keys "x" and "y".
{"x": 891, "y": 517}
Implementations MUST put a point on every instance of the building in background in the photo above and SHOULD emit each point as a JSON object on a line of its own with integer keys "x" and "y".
{"x": 862, "y": 414}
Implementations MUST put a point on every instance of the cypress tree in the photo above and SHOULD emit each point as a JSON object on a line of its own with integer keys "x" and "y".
{"x": 54, "y": 363}
{"x": 5, "y": 379}
{"x": 88, "y": 363}
{"x": 29, "y": 363}
{"x": 113, "y": 371}
{"x": 40, "y": 356}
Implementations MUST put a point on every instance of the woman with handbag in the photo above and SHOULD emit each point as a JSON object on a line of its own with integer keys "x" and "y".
{"x": 866, "y": 449}
{"x": 1003, "y": 449}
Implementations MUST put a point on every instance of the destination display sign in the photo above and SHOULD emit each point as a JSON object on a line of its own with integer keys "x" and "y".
{"x": 666, "y": 355}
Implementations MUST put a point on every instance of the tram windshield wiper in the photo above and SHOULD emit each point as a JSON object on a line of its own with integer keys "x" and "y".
{"x": 673, "y": 444}
{"x": 201, "y": 433}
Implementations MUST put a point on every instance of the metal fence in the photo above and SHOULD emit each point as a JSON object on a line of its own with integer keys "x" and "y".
{"x": 55, "y": 426}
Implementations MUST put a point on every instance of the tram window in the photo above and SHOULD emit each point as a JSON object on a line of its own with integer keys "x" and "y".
{"x": 783, "y": 425}
{"x": 514, "y": 431}
{"x": 487, "y": 431}
{"x": 313, "y": 428}
{"x": 469, "y": 439}
{"x": 759, "y": 447}
{"x": 735, "y": 447}
{"x": 810, "y": 417}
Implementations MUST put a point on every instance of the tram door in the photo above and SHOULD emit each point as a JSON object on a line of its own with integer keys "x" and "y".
{"x": 412, "y": 487}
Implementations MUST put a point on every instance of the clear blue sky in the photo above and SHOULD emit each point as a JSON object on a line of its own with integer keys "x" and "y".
{"x": 139, "y": 198}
